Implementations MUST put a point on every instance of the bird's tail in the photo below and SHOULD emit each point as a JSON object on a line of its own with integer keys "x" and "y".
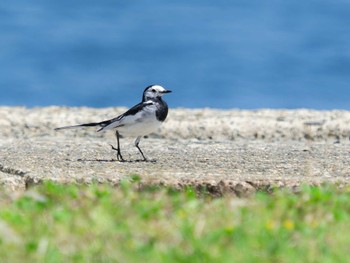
{"x": 91, "y": 124}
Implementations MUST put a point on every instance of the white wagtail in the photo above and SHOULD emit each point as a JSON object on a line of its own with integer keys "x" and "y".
{"x": 139, "y": 121}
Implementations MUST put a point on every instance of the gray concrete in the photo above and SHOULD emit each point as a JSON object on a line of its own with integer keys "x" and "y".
{"x": 236, "y": 150}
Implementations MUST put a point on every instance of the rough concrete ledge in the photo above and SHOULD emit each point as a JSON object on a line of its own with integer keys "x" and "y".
{"x": 236, "y": 151}
{"x": 202, "y": 124}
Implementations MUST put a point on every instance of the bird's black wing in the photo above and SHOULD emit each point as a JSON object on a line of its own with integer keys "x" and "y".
{"x": 103, "y": 124}
{"x": 131, "y": 112}
{"x": 137, "y": 108}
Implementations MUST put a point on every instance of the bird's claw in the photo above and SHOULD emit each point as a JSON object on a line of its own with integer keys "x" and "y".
{"x": 119, "y": 156}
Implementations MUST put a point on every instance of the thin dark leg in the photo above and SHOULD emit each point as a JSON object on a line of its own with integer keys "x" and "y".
{"x": 119, "y": 155}
{"x": 137, "y": 141}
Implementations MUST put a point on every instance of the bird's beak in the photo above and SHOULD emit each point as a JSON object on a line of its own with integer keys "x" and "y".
{"x": 166, "y": 91}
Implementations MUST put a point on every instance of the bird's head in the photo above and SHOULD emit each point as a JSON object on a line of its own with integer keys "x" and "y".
{"x": 154, "y": 91}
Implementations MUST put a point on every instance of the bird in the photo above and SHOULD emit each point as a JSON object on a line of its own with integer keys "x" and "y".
{"x": 140, "y": 120}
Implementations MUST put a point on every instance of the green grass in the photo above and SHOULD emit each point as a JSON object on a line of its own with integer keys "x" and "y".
{"x": 98, "y": 223}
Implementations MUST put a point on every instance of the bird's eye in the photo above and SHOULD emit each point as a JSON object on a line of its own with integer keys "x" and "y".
{"x": 153, "y": 90}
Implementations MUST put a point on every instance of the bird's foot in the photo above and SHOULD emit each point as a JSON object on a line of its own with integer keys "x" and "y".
{"x": 119, "y": 155}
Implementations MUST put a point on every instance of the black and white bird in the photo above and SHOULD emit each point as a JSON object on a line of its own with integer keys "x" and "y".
{"x": 142, "y": 119}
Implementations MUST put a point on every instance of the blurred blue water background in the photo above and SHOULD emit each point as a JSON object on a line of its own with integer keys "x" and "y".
{"x": 219, "y": 54}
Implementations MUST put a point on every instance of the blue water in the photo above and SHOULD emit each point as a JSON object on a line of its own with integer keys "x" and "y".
{"x": 221, "y": 54}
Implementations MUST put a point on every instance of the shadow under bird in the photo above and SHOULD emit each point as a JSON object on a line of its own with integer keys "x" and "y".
{"x": 142, "y": 119}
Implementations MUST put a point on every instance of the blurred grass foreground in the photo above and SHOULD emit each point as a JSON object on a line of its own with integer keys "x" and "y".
{"x": 100, "y": 223}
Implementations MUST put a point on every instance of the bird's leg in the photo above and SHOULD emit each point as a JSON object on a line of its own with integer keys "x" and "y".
{"x": 119, "y": 155}
{"x": 137, "y": 141}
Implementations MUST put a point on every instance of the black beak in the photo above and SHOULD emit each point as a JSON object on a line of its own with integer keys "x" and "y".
{"x": 166, "y": 91}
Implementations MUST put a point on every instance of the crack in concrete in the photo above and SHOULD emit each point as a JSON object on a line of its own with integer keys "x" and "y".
{"x": 11, "y": 171}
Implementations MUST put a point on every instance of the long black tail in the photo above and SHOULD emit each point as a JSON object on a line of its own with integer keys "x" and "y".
{"x": 91, "y": 124}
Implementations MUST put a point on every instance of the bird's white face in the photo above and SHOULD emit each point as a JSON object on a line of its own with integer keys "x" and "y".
{"x": 154, "y": 91}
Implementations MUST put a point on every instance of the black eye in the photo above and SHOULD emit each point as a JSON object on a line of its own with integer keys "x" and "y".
{"x": 153, "y": 90}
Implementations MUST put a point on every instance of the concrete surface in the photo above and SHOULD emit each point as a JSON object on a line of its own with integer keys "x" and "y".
{"x": 239, "y": 151}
